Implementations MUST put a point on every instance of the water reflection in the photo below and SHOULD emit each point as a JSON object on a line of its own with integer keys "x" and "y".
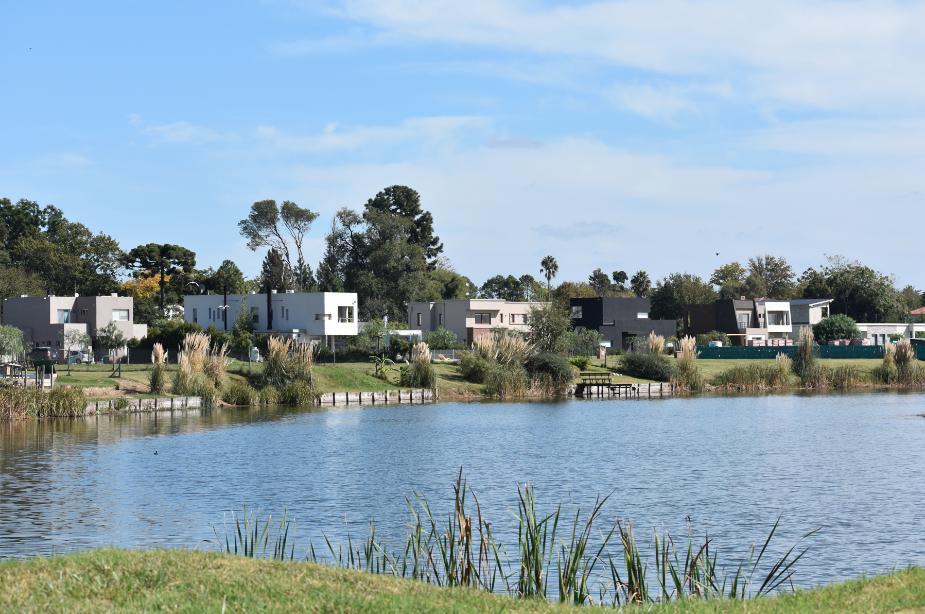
{"x": 851, "y": 465}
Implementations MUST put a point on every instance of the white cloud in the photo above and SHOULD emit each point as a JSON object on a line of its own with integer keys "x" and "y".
{"x": 820, "y": 53}
{"x": 421, "y": 130}
{"x": 837, "y": 138}
{"x": 180, "y": 132}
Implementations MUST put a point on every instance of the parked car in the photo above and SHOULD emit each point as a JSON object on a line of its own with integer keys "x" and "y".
{"x": 83, "y": 358}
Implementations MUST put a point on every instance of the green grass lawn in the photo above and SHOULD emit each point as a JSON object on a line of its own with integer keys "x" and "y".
{"x": 189, "y": 581}
{"x": 358, "y": 376}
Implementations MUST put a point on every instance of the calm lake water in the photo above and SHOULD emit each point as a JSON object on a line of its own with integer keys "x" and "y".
{"x": 850, "y": 465}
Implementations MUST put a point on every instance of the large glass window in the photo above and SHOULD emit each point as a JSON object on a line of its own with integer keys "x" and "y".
{"x": 483, "y": 318}
{"x": 345, "y": 314}
{"x": 120, "y": 315}
{"x": 778, "y": 318}
{"x": 576, "y": 312}
{"x": 64, "y": 316}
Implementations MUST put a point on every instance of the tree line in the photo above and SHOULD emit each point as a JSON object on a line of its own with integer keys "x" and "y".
{"x": 389, "y": 253}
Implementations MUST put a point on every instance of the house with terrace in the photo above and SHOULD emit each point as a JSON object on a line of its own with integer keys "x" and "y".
{"x": 306, "y": 317}
{"x": 470, "y": 318}
{"x": 46, "y": 320}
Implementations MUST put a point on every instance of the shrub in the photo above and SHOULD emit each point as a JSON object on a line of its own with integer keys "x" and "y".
{"x": 551, "y": 372}
{"x": 120, "y": 404}
{"x": 240, "y": 393}
{"x": 715, "y": 335}
{"x": 885, "y": 373}
{"x": 473, "y": 367}
{"x": 581, "y": 362}
{"x": 297, "y": 394}
{"x": 687, "y": 375}
{"x": 834, "y": 327}
{"x": 269, "y": 396}
{"x": 443, "y": 339}
{"x": 845, "y": 377}
{"x": 583, "y": 342}
{"x": 506, "y": 381}
{"x": 418, "y": 374}
{"x": 654, "y": 367}
{"x": 816, "y": 376}
{"x": 549, "y": 325}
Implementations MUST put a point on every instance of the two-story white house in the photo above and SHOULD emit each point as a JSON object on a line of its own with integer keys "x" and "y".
{"x": 470, "y": 318}
{"x": 304, "y": 316}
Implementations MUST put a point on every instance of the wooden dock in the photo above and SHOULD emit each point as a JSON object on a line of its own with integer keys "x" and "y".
{"x": 600, "y": 385}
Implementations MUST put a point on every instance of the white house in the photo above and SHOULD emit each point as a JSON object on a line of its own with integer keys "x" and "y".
{"x": 305, "y": 316}
{"x": 470, "y": 318}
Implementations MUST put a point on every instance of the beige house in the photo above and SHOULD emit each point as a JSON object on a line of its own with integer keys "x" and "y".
{"x": 470, "y": 318}
{"x": 46, "y": 320}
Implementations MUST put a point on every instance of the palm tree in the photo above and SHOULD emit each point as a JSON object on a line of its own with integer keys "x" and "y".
{"x": 549, "y": 267}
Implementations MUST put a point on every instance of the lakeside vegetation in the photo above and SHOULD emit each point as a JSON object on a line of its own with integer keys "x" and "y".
{"x": 192, "y": 581}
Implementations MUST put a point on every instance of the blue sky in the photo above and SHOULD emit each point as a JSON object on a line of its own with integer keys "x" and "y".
{"x": 623, "y": 135}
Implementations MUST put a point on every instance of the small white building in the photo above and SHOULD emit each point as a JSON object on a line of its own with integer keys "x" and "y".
{"x": 879, "y": 334}
{"x": 305, "y": 316}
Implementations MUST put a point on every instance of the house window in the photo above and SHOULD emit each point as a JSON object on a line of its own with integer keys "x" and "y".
{"x": 195, "y": 316}
{"x": 744, "y": 320}
{"x": 345, "y": 314}
{"x": 483, "y": 318}
{"x": 120, "y": 315}
{"x": 824, "y": 311}
{"x": 609, "y": 323}
{"x": 420, "y": 319}
{"x": 441, "y": 319}
{"x": 64, "y": 316}
{"x": 322, "y": 316}
{"x": 642, "y": 315}
{"x": 778, "y": 318}
{"x": 517, "y": 318}
{"x": 502, "y": 318}
{"x": 576, "y": 312}
{"x": 255, "y": 316}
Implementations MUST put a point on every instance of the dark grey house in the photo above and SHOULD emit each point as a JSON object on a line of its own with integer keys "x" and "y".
{"x": 619, "y": 319}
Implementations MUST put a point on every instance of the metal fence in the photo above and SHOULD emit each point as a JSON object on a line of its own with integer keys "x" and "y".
{"x": 440, "y": 355}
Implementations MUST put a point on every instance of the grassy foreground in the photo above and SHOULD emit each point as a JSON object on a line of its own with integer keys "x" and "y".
{"x": 189, "y": 581}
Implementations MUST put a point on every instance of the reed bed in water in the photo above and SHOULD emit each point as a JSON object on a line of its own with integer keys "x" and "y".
{"x": 570, "y": 559}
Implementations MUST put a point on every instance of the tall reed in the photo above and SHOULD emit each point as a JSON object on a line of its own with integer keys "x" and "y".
{"x": 687, "y": 375}
{"x": 157, "y": 378}
{"x": 655, "y": 343}
{"x": 804, "y": 362}
{"x": 574, "y": 560}
{"x": 18, "y": 402}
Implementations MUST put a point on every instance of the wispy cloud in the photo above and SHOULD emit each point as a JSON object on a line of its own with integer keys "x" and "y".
{"x": 425, "y": 130}
{"x": 179, "y": 132}
{"x": 822, "y": 53}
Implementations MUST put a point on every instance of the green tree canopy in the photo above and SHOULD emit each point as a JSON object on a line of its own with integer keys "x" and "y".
{"x": 227, "y": 277}
{"x": 775, "y": 274}
{"x": 549, "y": 268}
{"x": 857, "y": 291}
{"x": 283, "y": 229}
{"x": 730, "y": 280}
{"x": 549, "y": 325}
{"x": 11, "y": 343}
{"x": 640, "y": 284}
{"x": 675, "y": 292}
{"x": 161, "y": 260}
{"x": 388, "y": 255}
